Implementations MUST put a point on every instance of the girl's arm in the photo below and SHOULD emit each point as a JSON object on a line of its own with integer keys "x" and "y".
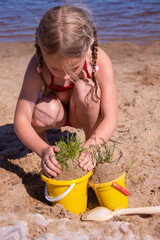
{"x": 24, "y": 110}
{"x": 108, "y": 109}
{"x": 23, "y": 116}
{"x": 109, "y": 113}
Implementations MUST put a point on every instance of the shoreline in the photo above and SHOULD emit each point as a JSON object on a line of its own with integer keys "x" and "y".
{"x": 144, "y": 41}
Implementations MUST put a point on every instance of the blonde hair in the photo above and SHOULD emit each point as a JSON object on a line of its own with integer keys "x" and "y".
{"x": 68, "y": 31}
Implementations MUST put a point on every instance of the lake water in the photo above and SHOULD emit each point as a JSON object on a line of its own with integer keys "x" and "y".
{"x": 132, "y": 20}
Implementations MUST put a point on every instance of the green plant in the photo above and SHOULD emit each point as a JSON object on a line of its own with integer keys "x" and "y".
{"x": 70, "y": 148}
{"x": 102, "y": 154}
{"x": 130, "y": 165}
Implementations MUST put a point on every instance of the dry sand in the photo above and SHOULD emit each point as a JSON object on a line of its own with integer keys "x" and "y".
{"x": 137, "y": 75}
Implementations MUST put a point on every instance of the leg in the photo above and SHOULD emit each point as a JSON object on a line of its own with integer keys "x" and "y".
{"x": 48, "y": 113}
{"x": 85, "y": 112}
{"x": 84, "y": 107}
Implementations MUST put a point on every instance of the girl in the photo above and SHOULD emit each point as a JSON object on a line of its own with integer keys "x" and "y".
{"x": 69, "y": 81}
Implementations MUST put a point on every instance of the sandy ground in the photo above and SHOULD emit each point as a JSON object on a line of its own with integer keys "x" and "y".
{"x": 137, "y": 75}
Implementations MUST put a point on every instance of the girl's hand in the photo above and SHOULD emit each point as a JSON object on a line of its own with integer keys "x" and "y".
{"x": 50, "y": 165}
{"x": 86, "y": 161}
{"x": 83, "y": 75}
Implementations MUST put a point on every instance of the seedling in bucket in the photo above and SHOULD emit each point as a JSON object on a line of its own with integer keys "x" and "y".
{"x": 110, "y": 193}
{"x": 102, "y": 153}
{"x": 70, "y": 148}
{"x": 72, "y": 194}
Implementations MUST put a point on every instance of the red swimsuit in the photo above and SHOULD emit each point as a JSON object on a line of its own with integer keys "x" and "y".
{"x": 65, "y": 88}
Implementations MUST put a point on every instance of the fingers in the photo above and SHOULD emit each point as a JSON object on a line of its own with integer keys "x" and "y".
{"x": 50, "y": 166}
{"x": 56, "y": 149}
{"x": 86, "y": 162}
{"x": 83, "y": 74}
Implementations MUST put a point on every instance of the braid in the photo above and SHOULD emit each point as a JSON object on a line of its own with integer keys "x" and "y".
{"x": 94, "y": 49}
{"x": 39, "y": 53}
{"x": 41, "y": 62}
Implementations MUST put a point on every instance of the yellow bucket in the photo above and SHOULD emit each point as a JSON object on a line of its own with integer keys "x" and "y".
{"x": 72, "y": 194}
{"x": 109, "y": 196}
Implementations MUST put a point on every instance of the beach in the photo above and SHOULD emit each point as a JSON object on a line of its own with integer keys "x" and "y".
{"x": 136, "y": 139}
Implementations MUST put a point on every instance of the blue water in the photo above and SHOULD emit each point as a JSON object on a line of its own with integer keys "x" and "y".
{"x": 132, "y": 20}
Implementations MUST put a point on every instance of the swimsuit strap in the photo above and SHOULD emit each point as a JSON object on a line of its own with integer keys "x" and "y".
{"x": 85, "y": 65}
{"x": 65, "y": 88}
{"x": 96, "y": 69}
{"x": 45, "y": 84}
{"x": 59, "y": 88}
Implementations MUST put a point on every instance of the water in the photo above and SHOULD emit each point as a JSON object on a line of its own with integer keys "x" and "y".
{"x": 132, "y": 20}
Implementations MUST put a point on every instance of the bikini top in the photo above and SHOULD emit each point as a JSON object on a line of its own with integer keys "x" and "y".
{"x": 65, "y": 88}
{"x": 61, "y": 88}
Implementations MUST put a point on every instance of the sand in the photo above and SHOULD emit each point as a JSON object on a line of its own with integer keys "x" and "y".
{"x": 137, "y": 75}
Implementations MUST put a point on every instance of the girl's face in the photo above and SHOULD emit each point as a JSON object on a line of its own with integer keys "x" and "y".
{"x": 54, "y": 64}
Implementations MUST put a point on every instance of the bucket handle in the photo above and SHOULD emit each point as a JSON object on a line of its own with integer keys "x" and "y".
{"x": 56, "y": 199}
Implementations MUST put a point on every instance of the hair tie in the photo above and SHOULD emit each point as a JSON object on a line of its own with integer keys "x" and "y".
{"x": 96, "y": 68}
{"x": 39, "y": 69}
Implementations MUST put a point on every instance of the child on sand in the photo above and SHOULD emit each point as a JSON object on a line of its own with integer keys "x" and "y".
{"x": 68, "y": 82}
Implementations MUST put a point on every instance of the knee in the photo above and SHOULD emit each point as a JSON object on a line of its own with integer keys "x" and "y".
{"x": 80, "y": 91}
{"x": 46, "y": 114}
{"x": 84, "y": 93}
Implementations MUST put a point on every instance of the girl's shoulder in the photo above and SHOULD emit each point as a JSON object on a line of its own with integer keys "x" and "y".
{"x": 33, "y": 64}
{"x": 32, "y": 78}
{"x": 103, "y": 58}
{"x": 105, "y": 73}
{"x": 32, "y": 67}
